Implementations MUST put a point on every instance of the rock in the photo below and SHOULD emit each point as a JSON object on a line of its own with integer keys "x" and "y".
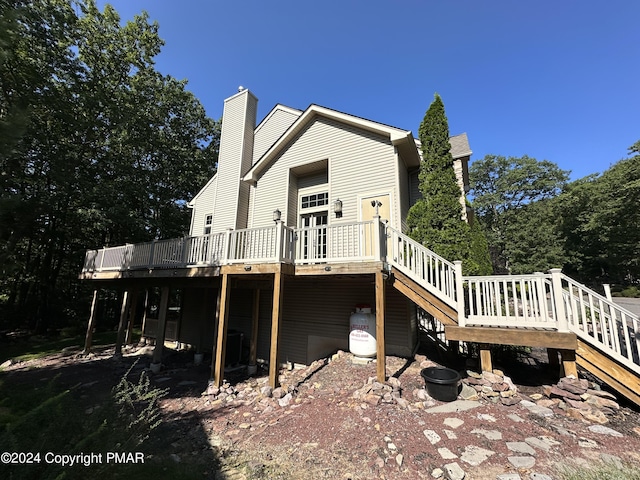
{"x": 509, "y": 476}
{"x": 602, "y": 402}
{"x": 521, "y": 447}
{"x": 393, "y": 382}
{"x": 447, "y": 454}
{"x": 488, "y": 434}
{"x": 486, "y": 417}
{"x": 278, "y": 393}
{"x": 7, "y": 364}
{"x": 535, "y": 396}
{"x": 542, "y": 443}
{"x": 399, "y": 459}
{"x": 437, "y": 473}
{"x": 515, "y": 418}
{"x": 372, "y": 399}
{"x": 450, "y": 434}
{"x": 174, "y": 457}
{"x": 537, "y": 409}
{"x": 573, "y": 385}
{"x": 380, "y": 462}
{"x": 557, "y": 392}
{"x": 475, "y": 455}
{"x": 453, "y": 471}
{"x": 472, "y": 374}
{"x": 266, "y": 391}
{"x": 492, "y": 377}
{"x": 468, "y": 393}
{"x": 501, "y": 387}
{"x": 402, "y": 402}
{"x": 286, "y": 400}
{"x": 604, "y": 430}
{"x": 509, "y": 401}
{"x": 595, "y": 416}
{"x": 432, "y": 436}
{"x": 522, "y": 462}
{"x": 587, "y": 443}
{"x": 455, "y": 422}
{"x": 601, "y": 393}
{"x": 540, "y": 476}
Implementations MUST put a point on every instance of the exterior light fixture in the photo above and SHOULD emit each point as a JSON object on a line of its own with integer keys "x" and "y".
{"x": 337, "y": 207}
{"x": 277, "y": 215}
{"x": 247, "y": 268}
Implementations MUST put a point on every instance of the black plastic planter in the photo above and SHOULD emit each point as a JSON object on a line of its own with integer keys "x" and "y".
{"x": 442, "y": 383}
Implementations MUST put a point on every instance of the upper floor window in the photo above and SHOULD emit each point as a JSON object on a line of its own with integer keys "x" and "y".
{"x": 208, "y": 221}
{"x": 315, "y": 200}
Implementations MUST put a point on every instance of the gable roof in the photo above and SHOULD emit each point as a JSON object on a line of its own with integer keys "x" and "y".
{"x": 403, "y": 139}
{"x": 460, "y": 146}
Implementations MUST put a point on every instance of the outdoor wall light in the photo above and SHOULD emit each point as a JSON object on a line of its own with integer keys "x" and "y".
{"x": 277, "y": 215}
{"x": 247, "y": 268}
{"x": 337, "y": 207}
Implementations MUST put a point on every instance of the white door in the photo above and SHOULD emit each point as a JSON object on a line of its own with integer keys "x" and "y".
{"x": 314, "y": 235}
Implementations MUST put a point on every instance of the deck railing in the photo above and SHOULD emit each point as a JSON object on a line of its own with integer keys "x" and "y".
{"x": 349, "y": 242}
{"x": 602, "y": 323}
{"x": 510, "y": 300}
{"x": 430, "y": 270}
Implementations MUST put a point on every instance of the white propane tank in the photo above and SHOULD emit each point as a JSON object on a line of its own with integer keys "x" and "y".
{"x": 362, "y": 332}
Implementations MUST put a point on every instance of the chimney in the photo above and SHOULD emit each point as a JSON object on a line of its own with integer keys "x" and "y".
{"x": 234, "y": 159}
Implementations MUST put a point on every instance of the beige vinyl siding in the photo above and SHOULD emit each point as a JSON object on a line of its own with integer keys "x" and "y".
{"x": 320, "y": 307}
{"x": 236, "y": 147}
{"x": 291, "y": 218}
{"x": 271, "y": 129}
{"x": 198, "y": 321}
{"x": 403, "y": 192}
{"x": 359, "y": 163}
{"x": 203, "y": 206}
{"x": 313, "y": 180}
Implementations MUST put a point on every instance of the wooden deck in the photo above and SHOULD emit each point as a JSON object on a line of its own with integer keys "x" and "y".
{"x": 547, "y": 310}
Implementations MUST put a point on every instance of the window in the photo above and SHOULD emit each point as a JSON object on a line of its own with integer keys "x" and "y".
{"x": 315, "y": 200}
{"x": 208, "y": 221}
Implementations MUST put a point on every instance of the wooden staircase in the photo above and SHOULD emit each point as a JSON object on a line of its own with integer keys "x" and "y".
{"x": 545, "y": 310}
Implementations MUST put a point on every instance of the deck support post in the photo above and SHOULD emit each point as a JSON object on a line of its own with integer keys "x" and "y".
{"x": 92, "y": 323}
{"x": 221, "y": 337}
{"x": 485, "y": 357}
{"x": 381, "y": 362}
{"x": 568, "y": 363}
{"x": 552, "y": 356}
{"x": 253, "y": 345}
{"x": 162, "y": 326}
{"x": 459, "y": 293}
{"x": 276, "y": 318}
{"x": 144, "y": 315}
{"x": 132, "y": 316}
{"x": 121, "y": 325}
{"x": 558, "y": 300}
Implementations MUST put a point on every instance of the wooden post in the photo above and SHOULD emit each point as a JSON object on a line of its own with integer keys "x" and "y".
{"x": 554, "y": 362}
{"x": 132, "y": 317}
{"x": 556, "y": 280}
{"x": 253, "y": 349}
{"x": 121, "y": 326}
{"x": 459, "y": 293}
{"x": 221, "y": 338}
{"x": 485, "y": 358}
{"x": 144, "y": 314}
{"x": 162, "y": 326}
{"x": 276, "y": 317}
{"x": 568, "y": 363}
{"x": 215, "y": 335}
{"x": 92, "y": 323}
{"x": 607, "y": 291}
{"x": 380, "y": 341}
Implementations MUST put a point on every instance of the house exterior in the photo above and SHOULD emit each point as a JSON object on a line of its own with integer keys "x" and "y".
{"x": 303, "y": 164}
{"x": 325, "y": 188}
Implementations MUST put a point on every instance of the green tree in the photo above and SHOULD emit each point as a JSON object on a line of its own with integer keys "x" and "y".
{"x": 436, "y": 220}
{"x": 501, "y": 187}
{"x": 103, "y": 148}
{"x": 600, "y": 223}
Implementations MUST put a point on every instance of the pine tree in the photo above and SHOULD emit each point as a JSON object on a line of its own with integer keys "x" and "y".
{"x": 436, "y": 220}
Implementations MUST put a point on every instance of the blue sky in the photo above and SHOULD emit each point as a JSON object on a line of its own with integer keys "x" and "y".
{"x": 552, "y": 79}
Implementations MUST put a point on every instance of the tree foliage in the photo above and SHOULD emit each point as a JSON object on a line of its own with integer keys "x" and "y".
{"x": 436, "y": 220}
{"x": 600, "y": 222}
{"x": 502, "y": 189}
{"x": 96, "y": 146}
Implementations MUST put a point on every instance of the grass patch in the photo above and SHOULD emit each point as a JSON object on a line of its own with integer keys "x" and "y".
{"x": 49, "y": 419}
{"x": 35, "y": 347}
{"x": 601, "y": 471}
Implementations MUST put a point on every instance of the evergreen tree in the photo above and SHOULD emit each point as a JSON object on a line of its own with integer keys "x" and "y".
{"x": 436, "y": 220}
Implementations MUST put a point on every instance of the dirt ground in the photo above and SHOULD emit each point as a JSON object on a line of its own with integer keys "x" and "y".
{"x": 324, "y": 431}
